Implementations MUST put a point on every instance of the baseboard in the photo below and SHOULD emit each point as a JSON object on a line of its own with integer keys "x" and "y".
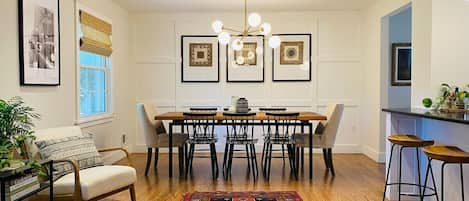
{"x": 339, "y": 148}
{"x": 374, "y": 154}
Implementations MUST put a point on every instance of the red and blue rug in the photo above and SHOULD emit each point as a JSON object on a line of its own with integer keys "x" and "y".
{"x": 243, "y": 196}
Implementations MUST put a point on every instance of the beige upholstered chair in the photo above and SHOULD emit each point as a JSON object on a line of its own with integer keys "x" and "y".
{"x": 156, "y": 136}
{"x": 325, "y": 134}
{"x": 89, "y": 184}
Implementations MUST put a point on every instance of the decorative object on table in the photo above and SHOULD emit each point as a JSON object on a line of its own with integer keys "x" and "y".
{"x": 39, "y": 42}
{"x": 252, "y": 26}
{"x": 245, "y": 64}
{"x": 242, "y": 105}
{"x": 401, "y": 64}
{"x": 222, "y": 196}
{"x": 200, "y": 58}
{"x": 450, "y": 99}
{"x": 292, "y": 61}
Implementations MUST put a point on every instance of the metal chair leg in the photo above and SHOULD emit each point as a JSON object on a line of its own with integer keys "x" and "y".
{"x": 418, "y": 171}
{"x": 248, "y": 158}
{"x": 283, "y": 153}
{"x": 255, "y": 160}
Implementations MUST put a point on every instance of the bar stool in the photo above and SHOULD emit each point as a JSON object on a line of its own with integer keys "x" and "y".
{"x": 448, "y": 155}
{"x": 406, "y": 141}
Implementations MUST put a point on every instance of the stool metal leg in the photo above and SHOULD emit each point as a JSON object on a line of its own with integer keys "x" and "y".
{"x": 400, "y": 173}
{"x": 418, "y": 171}
{"x": 429, "y": 171}
{"x": 443, "y": 181}
{"x": 462, "y": 182}
{"x": 388, "y": 171}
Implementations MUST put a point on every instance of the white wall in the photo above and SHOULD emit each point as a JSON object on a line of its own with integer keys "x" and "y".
{"x": 375, "y": 70}
{"x": 400, "y": 31}
{"x": 336, "y": 70}
{"x": 450, "y": 43}
{"x": 57, "y": 105}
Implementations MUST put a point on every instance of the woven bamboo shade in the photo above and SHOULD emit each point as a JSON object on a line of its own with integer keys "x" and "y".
{"x": 96, "y": 36}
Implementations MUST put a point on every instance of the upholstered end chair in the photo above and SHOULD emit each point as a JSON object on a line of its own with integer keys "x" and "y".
{"x": 91, "y": 183}
{"x": 325, "y": 134}
{"x": 156, "y": 136}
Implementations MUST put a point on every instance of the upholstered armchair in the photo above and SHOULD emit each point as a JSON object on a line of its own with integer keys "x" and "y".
{"x": 325, "y": 134}
{"x": 90, "y": 184}
{"x": 156, "y": 136}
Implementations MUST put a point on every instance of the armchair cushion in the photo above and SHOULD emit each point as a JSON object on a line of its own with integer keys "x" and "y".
{"x": 78, "y": 148}
{"x": 96, "y": 181}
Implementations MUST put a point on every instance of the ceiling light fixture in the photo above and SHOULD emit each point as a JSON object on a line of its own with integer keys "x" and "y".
{"x": 252, "y": 26}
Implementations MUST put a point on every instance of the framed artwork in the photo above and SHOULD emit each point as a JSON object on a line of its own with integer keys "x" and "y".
{"x": 292, "y": 60}
{"x": 200, "y": 58}
{"x": 401, "y": 64}
{"x": 247, "y": 64}
{"x": 39, "y": 42}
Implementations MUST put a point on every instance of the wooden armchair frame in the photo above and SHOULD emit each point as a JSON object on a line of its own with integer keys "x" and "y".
{"x": 76, "y": 196}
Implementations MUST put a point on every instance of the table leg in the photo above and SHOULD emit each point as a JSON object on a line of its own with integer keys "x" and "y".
{"x": 310, "y": 150}
{"x": 170, "y": 147}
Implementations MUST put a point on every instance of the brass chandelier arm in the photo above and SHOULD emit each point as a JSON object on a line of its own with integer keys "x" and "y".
{"x": 232, "y": 30}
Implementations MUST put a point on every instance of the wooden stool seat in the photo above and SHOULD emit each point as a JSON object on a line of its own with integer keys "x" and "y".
{"x": 409, "y": 140}
{"x": 449, "y": 154}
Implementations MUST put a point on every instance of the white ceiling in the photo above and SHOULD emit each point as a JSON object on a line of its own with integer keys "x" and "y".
{"x": 238, "y": 5}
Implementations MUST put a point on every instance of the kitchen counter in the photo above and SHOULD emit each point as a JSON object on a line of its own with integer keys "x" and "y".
{"x": 431, "y": 114}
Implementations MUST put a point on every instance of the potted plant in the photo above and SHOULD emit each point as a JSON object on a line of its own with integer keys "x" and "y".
{"x": 16, "y": 127}
{"x": 450, "y": 98}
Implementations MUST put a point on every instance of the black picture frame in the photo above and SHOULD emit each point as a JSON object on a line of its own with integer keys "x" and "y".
{"x": 182, "y": 59}
{"x": 401, "y": 64}
{"x": 21, "y": 40}
{"x": 309, "y": 56}
{"x": 263, "y": 64}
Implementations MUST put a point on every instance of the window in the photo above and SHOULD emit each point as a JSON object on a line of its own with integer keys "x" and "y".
{"x": 94, "y": 84}
{"x": 94, "y": 47}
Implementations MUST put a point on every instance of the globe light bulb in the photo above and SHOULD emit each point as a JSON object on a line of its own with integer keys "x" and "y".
{"x": 217, "y": 26}
{"x": 254, "y": 19}
{"x": 224, "y": 38}
{"x": 266, "y": 28}
{"x": 259, "y": 50}
{"x": 240, "y": 60}
{"x": 237, "y": 44}
{"x": 274, "y": 42}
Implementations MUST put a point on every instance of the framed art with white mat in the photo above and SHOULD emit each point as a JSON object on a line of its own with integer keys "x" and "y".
{"x": 39, "y": 42}
{"x": 200, "y": 58}
{"x": 291, "y": 61}
{"x": 247, "y": 64}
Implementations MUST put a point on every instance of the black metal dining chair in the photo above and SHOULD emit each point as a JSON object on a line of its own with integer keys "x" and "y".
{"x": 240, "y": 132}
{"x": 200, "y": 126}
{"x": 280, "y": 130}
{"x": 264, "y": 133}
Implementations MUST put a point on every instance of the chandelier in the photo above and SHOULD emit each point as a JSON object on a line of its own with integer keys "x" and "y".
{"x": 252, "y": 26}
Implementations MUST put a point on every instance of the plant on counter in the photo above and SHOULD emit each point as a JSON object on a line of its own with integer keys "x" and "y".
{"x": 16, "y": 128}
{"x": 451, "y": 97}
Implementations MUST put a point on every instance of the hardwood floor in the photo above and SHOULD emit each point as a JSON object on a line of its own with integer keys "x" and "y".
{"x": 358, "y": 178}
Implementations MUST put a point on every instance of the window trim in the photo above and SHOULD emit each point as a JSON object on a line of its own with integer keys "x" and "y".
{"x": 100, "y": 118}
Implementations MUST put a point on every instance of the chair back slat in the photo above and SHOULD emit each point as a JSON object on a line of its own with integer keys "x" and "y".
{"x": 239, "y": 126}
{"x": 281, "y": 124}
{"x": 200, "y": 126}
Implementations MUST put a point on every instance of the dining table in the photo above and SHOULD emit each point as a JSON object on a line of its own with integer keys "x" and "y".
{"x": 305, "y": 119}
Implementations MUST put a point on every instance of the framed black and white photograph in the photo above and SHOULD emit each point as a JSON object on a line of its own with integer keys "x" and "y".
{"x": 200, "y": 58}
{"x": 292, "y": 60}
{"x": 401, "y": 64}
{"x": 39, "y": 42}
{"x": 247, "y": 63}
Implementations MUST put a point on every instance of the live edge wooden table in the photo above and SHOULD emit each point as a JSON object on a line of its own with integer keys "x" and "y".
{"x": 306, "y": 120}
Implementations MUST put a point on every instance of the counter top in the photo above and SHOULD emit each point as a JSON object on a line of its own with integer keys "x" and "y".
{"x": 462, "y": 118}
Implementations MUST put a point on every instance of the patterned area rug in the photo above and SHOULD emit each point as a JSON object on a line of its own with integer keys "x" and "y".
{"x": 243, "y": 196}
